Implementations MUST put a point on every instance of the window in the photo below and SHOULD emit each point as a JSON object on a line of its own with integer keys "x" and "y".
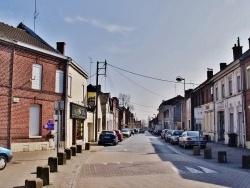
{"x": 34, "y": 120}
{"x": 248, "y": 78}
{"x": 238, "y": 84}
{"x": 212, "y": 93}
{"x": 70, "y": 86}
{"x": 36, "y": 77}
{"x": 230, "y": 86}
{"x": 223, "y": 90}
{"x": 59, "y": 81}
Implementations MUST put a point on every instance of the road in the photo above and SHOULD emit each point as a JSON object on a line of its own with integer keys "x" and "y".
{"x": 144, "y": 160}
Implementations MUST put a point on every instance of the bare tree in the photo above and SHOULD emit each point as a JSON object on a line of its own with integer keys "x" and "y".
{"x": 124, "y": 100}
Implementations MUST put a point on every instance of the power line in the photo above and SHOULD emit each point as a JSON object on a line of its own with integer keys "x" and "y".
{"x": 148, "y": 76}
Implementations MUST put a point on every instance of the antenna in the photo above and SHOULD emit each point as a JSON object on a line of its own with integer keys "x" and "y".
{"x": 90, "y": 67}
{"x": 35, "y": 16}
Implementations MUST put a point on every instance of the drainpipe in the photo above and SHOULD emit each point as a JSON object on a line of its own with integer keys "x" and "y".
{"x": 66, "y": 104}
{"x": 243, "y": 94}
{"x": 10, "y": 99}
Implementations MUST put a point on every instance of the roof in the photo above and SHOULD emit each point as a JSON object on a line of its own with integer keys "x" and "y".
{"x": 24, "y": 34}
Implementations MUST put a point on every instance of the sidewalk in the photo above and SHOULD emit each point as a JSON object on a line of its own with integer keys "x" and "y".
{"x": 24, "y": 166}
{"x": 234, "y": 154}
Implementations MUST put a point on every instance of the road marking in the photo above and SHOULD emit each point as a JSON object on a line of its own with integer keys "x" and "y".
{"x": 206, "y": 170}
{"x": 174, "y": 150}
{"x": 193, "y": 170}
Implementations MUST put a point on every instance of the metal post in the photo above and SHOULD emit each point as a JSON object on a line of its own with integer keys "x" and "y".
{"x": 96, "y": 101}
{"x": 58, "y": 126}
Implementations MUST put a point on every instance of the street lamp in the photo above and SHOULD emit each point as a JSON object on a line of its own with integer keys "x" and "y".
{"x": 179, "y": 79}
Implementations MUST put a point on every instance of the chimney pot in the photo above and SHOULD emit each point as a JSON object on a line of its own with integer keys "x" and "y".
{"x": 237, "y": 50}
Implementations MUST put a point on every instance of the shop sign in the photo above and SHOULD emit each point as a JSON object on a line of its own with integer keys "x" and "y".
{"x": 78, "y": 111}
{"x": 91, "y": 98}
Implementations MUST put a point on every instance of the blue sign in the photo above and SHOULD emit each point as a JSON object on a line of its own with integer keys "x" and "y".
{"x": 49, "y": 125}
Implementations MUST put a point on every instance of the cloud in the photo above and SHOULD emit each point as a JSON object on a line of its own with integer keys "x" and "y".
{"x": 111, "y": 28}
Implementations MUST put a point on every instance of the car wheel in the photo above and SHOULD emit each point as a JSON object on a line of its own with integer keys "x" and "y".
{"x": 3, "y": 162}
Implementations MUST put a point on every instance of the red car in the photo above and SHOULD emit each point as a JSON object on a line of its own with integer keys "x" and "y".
{"x": 119, "y": 135}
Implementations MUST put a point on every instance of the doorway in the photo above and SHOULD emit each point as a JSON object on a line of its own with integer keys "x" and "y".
{"x": 221, "y": 126}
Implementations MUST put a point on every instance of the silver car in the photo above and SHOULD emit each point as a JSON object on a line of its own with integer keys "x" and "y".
{"x": 174, "y": 139}
{"x": 192, "y": 138}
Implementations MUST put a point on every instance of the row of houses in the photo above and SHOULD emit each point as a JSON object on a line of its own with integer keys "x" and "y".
{"x": 223, "y": 99}
{"x": 42, "y": 89}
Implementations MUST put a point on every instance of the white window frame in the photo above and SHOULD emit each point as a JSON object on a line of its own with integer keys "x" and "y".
{"x": 230, "y": 86}
{"x": 238, "y": 83}
{"x": 59, "y": 81}
{"x": 36, "y": 80}
{"x": 70, "y": 85}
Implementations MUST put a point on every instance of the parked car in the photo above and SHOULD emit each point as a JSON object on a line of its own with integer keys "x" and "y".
{"x": 168, "y": 135}
{"x": 5, "y": 157}
{"x": 174, "y": 139}
{"x": 132, "y": 131}
{"x": 108, "y": 137}
{"x": 126, "y": 133}
{"x": 141, "y": 130}
{"x": 158, "y": 129}
{"x": 163, "y": 133}
{"x": 191, "y": 138}
{"x": 119, "y": 135}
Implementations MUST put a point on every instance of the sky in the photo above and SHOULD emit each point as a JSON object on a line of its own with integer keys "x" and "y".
{"x": 146, "y": 43}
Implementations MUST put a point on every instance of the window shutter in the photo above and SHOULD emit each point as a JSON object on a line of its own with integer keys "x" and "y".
{"x": 59, "y": 81}
{"x": 36, "y": 77}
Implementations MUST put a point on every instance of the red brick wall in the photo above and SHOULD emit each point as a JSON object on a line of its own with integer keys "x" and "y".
{"x": 21, "y": 89}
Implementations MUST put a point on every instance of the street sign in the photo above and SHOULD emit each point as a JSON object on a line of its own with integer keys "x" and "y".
{"x": 198, "y": 113}
{"x": 59, "y": 105}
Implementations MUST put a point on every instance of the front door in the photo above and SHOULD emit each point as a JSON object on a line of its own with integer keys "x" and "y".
{"x": 221, "y": 126}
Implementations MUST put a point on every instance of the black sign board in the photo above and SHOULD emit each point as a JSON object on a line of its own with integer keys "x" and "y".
{"x": 78, "y": 111}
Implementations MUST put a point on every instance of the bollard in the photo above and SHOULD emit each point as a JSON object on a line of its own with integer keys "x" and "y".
{"x": 196, "y": 150}
{"x": 53, "y": 164}
{"x": 87, "y": 146}
{"x": 73, "y": 149}
{"x": 34, "y": 183}
{"x": 43, "y": 173}
{"x": 68, "y": 153}
{"x": 246, "y": 161}
{"x": 222, "y": 157}
{"x": 78, "y": 148}
{"x": 61, "y": 158}
{"x": 207, "y": 153}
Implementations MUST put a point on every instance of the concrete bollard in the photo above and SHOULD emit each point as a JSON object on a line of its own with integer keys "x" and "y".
{"x": 43, "y": 173}
{"x": 34, "y": 183}
{"x": 207, "y": 153}
{"x": 78, "y": 148}
{"x": 87, "y": 146}
{"x": 222, "y": 157}
{"x": 68, "y": 153}
{"x": 196, "y": 150}
{"x": 61, "y": 158}
{"x": 246, "y": 161}
{"x": 73, "y": 149}
{"x": 53, "y": 164}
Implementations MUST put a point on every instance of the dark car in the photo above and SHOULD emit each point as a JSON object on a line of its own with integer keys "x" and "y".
{"x": 108, "y": 137}
{"x": 192, "y": 138}
{"x": 5, "y": 157}
{"x": 141, "y": 130}
{"x": 174, "y": 139}
{"x": 119, "y": 135}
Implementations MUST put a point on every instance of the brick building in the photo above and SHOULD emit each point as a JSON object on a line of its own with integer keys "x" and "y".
{"x": 32, "y": 76}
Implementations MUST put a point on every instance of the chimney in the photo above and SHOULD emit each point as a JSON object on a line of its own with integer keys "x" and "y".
{"x": 249, "y": 42}
{"x": 209, "y": 73}
{"x": 222, "y": 66}
{"x": 60, "y": 46}
{"x": 237, "y": 50}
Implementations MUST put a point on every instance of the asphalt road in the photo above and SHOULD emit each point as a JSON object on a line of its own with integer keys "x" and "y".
{"x": 144, "y": 160}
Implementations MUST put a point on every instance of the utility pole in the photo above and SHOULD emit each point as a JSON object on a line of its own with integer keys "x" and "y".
{"x": 97, "y": 93}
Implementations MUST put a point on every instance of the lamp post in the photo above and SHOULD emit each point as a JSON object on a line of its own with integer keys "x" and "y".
{"x": 179, "y": 79}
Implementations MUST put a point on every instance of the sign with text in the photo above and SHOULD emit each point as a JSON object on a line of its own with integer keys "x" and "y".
{"x": 91, "y": 98}
{"x": 78, "y": 111}
{"x": 198, "y": 113}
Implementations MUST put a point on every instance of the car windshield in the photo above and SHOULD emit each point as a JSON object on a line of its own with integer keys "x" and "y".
{"x": 107, "y": 132}
{"x": 193, "y": 133}
{"x": 124, "y": 130}
{"x": 175, "y": 133}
